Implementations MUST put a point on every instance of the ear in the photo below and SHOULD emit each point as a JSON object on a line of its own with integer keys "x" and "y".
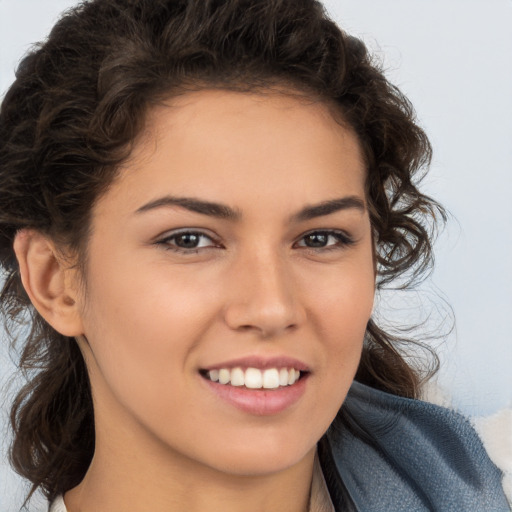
{"x": 50, "y": 283}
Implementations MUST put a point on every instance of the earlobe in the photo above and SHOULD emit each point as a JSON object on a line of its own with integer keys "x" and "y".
{"x": 49, "y": 282}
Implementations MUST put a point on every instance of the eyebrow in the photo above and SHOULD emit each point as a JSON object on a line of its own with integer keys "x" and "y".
{"x": 223, "y": 211}
{"x": 328, "y": 207}
{"x": 194, "y": 205}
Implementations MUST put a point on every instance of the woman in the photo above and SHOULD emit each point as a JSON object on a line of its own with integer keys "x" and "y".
{"x": 199, "y": 200}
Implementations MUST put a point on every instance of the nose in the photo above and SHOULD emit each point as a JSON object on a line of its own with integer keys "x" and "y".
{"x": 264, "y": 297}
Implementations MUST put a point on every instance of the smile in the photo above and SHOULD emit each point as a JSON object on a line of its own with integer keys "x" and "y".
{"x": 254, "y": 378}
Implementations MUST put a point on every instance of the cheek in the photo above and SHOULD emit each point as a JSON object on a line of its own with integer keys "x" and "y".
{"x": 141, "y": 332}
{"x": 153, "y": 299}
{"x": 344, "y": 308}
{"x": 344, "y": 300}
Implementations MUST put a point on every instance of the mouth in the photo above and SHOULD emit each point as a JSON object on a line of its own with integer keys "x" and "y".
{"x": 258, "y": 385}
{"x": 254, "y": 378}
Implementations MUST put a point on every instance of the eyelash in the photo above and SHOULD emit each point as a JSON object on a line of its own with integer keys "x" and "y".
{"x": 168, "y": 244}
{"x": 343, "y": 240}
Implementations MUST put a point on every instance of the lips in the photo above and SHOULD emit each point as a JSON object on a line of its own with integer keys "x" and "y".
{"x": 258, "y": 386}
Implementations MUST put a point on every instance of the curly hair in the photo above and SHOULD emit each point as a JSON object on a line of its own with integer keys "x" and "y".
{"x": 72, "y": 115}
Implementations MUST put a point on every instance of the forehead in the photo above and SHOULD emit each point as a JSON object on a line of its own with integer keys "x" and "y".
{"x": 223, "y": 145}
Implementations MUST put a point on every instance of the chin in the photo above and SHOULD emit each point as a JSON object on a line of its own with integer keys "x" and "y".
{"x": 259, "y": 459}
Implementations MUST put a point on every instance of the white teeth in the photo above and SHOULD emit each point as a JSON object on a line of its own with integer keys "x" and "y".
{"x": 271, "y": 378}
{"x": 224, "y": 376}
{"x": 237, "y": 377}
{"x": 253, "y": 378}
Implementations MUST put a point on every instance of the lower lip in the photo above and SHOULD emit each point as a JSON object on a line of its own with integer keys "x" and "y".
{"x": 260, "y": 402}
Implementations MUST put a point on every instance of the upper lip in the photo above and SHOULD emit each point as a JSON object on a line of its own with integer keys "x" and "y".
{"x": 261, "y": 363}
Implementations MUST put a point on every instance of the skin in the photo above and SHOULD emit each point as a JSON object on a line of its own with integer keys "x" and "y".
{"x": 150, "y": 316}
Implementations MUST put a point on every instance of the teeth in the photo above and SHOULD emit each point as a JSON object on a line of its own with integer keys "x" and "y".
{"x": 271, "y": 379}
{"x": 292, "y": 377}
{"x": 253, "y": 378}
{"x": 224, "y": 376}
{"x": 237, "y": 377}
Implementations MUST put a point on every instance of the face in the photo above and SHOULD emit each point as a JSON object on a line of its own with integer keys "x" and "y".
{"x": 229, "y": 281}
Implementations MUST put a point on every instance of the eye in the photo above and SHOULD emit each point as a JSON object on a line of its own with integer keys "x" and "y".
{"x": 187, "y": 241}
{"x": 325, "y": 240}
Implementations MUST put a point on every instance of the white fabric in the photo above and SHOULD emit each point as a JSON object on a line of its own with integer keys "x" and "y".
{"x": 58, "y": 505}
{"x": 496, "y": 434}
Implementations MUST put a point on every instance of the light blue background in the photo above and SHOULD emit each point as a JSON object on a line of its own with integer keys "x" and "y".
{"x": 453, "y": 58}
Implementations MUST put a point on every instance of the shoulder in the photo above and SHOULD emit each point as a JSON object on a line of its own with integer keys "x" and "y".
{"x": 396, "y": 454}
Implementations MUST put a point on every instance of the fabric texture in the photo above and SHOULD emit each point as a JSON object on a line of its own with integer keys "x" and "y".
{"x": 58, "y": 505}
{"x": 385, "y": 453}
{"x": 403, "y": 455}
{"x": 495, "y": 431}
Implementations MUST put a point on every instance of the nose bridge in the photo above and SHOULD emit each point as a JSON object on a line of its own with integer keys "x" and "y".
{"x": 264, "y": 295}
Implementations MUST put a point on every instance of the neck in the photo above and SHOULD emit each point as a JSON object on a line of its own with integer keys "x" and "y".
{"x": 149, "y": 474}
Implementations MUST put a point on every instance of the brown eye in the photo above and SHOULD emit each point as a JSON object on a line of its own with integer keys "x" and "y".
{"x": 325, "y": 240}
{"x": 187, "y": 240}
{"x": 316, "y": 240}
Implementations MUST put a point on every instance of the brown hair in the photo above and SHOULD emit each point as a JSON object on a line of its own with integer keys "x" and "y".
{"x": 77, "y": 105}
